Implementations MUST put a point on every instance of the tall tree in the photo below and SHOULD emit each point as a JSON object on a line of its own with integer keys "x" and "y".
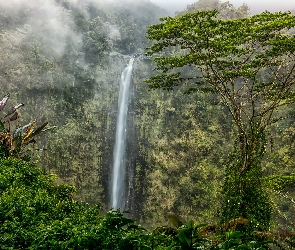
{"x": 226, "y": 10}
{"x": 250, "y": 64}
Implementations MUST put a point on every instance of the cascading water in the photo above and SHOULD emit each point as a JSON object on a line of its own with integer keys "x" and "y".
{"x": 118, "y": 171}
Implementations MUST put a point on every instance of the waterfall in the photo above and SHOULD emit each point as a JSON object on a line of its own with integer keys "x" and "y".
{"x": 118, "y": 170}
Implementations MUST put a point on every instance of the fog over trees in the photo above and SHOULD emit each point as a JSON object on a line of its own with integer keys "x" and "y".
{"x": 256, "y": 7}
{"x": 64, "y": 58}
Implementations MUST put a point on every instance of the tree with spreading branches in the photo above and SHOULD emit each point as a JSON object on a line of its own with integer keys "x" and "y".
{"x": 249, "y": 65}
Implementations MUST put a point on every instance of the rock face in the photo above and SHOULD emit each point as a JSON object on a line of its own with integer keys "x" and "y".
{"x": 64, "y": 59}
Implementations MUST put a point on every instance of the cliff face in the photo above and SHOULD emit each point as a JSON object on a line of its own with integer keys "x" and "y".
{"x": 64, "y": 59}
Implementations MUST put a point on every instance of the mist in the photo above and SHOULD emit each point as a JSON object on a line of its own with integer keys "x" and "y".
{"x": 44, "y": 18}
{"x": 256, "y": 7}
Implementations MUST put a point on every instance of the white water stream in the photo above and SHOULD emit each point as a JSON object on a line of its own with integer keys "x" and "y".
{"x": 118, "y": 171}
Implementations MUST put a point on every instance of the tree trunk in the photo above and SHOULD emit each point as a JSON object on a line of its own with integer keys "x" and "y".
{"x": 243, "y": 192}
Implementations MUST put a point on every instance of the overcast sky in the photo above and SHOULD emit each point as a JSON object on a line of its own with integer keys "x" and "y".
{"x": 256, "y": 6}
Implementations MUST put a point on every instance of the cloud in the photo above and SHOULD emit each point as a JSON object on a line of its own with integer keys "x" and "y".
{"x": 45, "y": 19}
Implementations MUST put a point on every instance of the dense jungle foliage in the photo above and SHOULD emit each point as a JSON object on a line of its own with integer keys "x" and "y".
{"x": 38, "y": 214}
{"x": 63, "y": 60}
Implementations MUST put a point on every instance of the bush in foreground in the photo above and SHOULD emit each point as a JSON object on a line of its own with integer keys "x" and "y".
{"x": 35, "y": 213}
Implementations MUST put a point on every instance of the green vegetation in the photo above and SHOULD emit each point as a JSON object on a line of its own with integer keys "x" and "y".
{"x": 249, "y": 64}
{"x": 38, "y": 214}
{"x": 226, "y": 160}
{"x": 64, "y": 61}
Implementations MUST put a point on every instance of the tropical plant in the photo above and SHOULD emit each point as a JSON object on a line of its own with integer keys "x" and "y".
{"x": 14, "y": 143}
{"x": 35, "y": 213}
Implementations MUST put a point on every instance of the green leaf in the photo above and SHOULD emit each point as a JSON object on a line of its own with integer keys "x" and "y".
{"x": 191, "y": 224}
{"x": 235, "y": 235}
{"x": 184, "y": 238}
{"x": 243, "y": 247}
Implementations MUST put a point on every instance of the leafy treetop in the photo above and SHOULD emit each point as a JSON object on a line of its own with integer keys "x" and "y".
{"x": 249, "y": 62}
{"x": 226, "y": 10}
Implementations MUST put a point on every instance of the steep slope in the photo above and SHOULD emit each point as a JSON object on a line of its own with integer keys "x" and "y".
{"x": 63, "y": 59}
